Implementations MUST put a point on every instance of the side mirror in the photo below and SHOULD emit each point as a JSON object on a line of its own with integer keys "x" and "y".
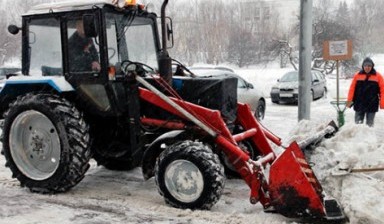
{"x": 90, "y": 28}
{"x": 169, "y": 33}
{"x": 13, "y": 29}
{"x": 250, "y": 86}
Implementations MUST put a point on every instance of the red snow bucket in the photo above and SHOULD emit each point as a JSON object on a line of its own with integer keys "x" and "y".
{"x": 293, "y": 187}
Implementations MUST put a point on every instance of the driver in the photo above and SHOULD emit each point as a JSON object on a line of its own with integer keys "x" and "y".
{"x": 83, "y": 55}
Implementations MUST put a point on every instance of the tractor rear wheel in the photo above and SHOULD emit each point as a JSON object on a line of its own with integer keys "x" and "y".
{"x": 189, "y": 175}
{"x": 45, "y": 143}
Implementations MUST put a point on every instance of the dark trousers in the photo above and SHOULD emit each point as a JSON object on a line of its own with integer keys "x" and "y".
{"x": 370, "y": 117}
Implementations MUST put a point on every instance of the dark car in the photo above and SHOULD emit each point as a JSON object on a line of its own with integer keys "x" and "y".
{"x": 287, "y": 87}
{"x": 246, "y": 92}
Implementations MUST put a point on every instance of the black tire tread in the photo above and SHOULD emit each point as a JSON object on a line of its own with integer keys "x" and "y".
{"x": 74, "y": 136}
{"x": 213, "y": 173}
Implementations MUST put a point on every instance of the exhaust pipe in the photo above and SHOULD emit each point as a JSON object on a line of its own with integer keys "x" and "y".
{"x": 163, "y": 26}
{"x": 165, "y": 62}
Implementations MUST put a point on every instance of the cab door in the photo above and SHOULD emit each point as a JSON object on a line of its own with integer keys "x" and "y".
{"x": 86, "y": 65}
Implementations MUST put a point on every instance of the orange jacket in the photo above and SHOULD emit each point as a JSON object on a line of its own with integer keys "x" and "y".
{"x": 367, "y": 91}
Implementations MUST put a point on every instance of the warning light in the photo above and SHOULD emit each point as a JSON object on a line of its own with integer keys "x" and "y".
{"x": 130, "y": 2}
{"x": 127, "y": 4}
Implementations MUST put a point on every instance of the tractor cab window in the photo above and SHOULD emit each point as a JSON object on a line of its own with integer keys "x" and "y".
{"x": 45, "y": 47}
{"x": 140, "y": 45}
{"x": 83, "y": 52}
{"x": 131, "y": 38}
{"x": 112, "y": 45}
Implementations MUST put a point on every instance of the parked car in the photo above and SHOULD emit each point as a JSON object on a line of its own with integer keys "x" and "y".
{"x": 246, "y": 92}
{"x": 287, "y": 87}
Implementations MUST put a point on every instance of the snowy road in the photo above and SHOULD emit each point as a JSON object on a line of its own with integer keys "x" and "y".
{"x": 106, "y": 196}
{"x": 120, "y": 197}
{"x": 124, "y": 197}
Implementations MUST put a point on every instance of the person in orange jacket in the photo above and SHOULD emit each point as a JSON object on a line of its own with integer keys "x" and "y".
{"x": 366, "y": 93}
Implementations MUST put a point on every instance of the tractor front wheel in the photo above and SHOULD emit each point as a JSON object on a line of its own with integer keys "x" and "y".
{"x": 45, "y": 143}
{"x": 189, "y": 175}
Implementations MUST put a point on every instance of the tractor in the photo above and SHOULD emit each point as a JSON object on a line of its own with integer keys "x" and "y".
{"x": 97, "y": 82}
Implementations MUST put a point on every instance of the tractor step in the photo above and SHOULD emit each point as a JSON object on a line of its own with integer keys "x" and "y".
{"x": 333, "y": 210}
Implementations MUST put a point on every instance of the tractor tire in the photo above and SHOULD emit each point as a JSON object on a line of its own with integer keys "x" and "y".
{"x": 122, "y": 160}
{"x": 45, "y": 143}
{"x": 230, "y": 171}
{"x": 189, "y": 175}
{"x": 247, "y": 146}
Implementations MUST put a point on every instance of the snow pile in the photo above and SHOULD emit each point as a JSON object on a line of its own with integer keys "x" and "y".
{"x": 106, "y": 196}
{"x": 352, "y": 147}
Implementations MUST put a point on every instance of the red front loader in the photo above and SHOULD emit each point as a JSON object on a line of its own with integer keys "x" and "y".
{"x": 292, "y": 188}
{"x": 57, "y": 118}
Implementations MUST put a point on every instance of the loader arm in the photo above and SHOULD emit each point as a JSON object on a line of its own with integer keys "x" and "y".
{"x": 292, "y": 188}
{"x": 222, "y": 136}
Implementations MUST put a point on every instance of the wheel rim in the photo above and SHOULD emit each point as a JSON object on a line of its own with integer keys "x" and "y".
{"x": 34, "y": 145}
{"x": 184, "y": 181}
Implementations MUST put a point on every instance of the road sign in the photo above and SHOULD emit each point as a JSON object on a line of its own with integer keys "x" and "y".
{"x": 337, "y": 50}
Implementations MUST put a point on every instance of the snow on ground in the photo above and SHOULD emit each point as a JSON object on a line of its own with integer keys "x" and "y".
{"x": 106, "y": 196}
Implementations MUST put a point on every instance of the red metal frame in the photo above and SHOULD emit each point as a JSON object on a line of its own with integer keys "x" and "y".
{"x": 203, "y": 114}
{"x": 175, "y": 125}
{"x": 289, "y": 173}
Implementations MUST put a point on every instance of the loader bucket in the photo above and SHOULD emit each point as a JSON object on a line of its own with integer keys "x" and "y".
{"x": 293, "y": 187}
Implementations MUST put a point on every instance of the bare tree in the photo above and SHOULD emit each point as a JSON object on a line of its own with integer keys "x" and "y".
{"x": 214, "y": 26}
{"x": 367, "y": 22}
{"x": 241, "y": 49}
{"x": 201, "y": 29}
{"x": 247, "y": 33}
{"x": 334, "y": 25}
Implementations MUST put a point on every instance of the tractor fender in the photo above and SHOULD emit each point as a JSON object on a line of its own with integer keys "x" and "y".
{"x": 21, "y": 85}
{"x": 57, "y": 83}
{"x": 155, "y": 148}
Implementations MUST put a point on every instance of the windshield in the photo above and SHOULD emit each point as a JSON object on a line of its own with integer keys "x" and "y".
{"x": 131, "y": 38}
{"x": 290, "y": 77}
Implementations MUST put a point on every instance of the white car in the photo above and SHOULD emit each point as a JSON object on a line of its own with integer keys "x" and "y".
{"x": 246, "y": 92}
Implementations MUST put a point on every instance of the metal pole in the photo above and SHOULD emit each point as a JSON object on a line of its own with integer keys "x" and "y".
{"x": 337, "y": 83}
{"x": 340, "y": 112}
{"x": 305, "y": 58}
